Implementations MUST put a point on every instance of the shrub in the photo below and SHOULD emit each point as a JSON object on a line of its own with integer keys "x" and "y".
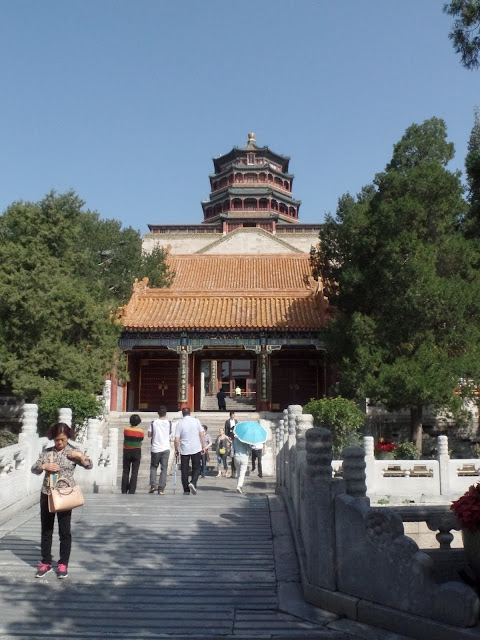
{"x": 341, "y": 416}
{"x": 7, "y": 437}
{"x": 406, "y": 451}
{"x": 83, "y": 406}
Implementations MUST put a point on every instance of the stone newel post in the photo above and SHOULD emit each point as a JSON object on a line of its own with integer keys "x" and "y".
{"x": 65, "y": 415}
{"x": 319, "y": 538}
{"x": 29, "y": 436}
{"x": 444, "y": 465}
{"x": 368, "y": 445}
{"x": 282, "y": 426}
{"x": 294, "y": 410}
{"x": 354, "y": 472}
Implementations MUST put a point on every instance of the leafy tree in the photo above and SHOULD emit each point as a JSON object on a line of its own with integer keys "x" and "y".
{"x": 472, "y": 165}
{"x": 113, "y": 256}
{"x": 341, "y": 416}
{"x": 404, "y": 281}
{"x": 83, "y": 406}
{"x": 465, "y": 33}
{"x": 57, "y": 295}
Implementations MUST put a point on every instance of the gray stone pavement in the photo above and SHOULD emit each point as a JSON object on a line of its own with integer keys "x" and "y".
{"x": 215, "y": 565}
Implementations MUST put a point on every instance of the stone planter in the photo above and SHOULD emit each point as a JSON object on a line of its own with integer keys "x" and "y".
{"x": 471, "y": 545}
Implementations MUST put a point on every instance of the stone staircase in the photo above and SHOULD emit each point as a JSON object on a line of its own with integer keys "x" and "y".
{"x": 214, "y": 420}
{"x": 233, "y": 403}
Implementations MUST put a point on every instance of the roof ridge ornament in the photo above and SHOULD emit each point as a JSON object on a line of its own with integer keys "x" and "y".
{"x": 251, "y": 142}
{"x": 140, "y": 287}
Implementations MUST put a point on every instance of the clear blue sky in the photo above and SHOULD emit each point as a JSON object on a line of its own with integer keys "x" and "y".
{"x": 126, "y": 102}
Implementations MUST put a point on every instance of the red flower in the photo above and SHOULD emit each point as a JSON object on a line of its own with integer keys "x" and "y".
{"x": 467, "y": 508}
{"x": 384, "y": 444}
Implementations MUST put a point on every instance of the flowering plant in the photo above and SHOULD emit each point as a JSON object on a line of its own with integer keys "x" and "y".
{"x": 467, "y": 508}
{"x": 384, "y": 444}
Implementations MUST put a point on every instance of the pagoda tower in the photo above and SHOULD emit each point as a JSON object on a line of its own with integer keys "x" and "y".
{"x": 251, "y": 187}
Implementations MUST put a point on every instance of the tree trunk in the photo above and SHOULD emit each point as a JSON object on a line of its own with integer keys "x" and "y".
{"x": 416, "y": 427}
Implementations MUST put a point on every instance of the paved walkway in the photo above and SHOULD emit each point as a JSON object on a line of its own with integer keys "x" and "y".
{"x": 218, "y": 564}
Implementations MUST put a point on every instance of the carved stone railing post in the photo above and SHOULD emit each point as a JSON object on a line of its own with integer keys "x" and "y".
{"x": 318, "y": 509}
{"x": 65, "y": 416}
{"x": 354, "y": 472}
{"x": 444, "y": 465}
{"x": 368, "y": 445}
{"x": 280, "y": 454}
{"x": 29, "y": 436}
{"x": 303, "y": 422}
{"x": 29, "y": 418}
{"x": 113, "y": 446}
{"x": 92, "y": 429}
{"x": 293, "y": 411}
{"x": 107, "y": 397}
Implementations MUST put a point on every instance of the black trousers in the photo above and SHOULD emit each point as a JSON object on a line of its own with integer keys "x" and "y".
{"x": 257, "y": 455}
{"x": 131, "y": 461}
{"x": 185, "y": 465}
{"x": 47, "y": 520}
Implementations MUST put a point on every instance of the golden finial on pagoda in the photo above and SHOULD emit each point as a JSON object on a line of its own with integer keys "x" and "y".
{"x": 251, "y": 140}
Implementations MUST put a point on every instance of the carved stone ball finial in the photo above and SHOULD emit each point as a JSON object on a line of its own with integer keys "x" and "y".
{"x": 319, "y": 453}
{"x": 354, "y": 471}
{"x": 304, "y": 422}
{"x": 294, "y": 410}
{"x": 368, "y": 445}
{"x": 92, "y": 428}
{"x": 65, "y": 415}
{"x": 442, "y": 445}
{"x": 29, "y": 418}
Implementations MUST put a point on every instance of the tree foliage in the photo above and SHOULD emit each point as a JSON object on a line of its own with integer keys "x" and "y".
{"x": 404, "y": 280}
{"x": 83, "y": 406}
{"x": 465, "y": 33}
{"x": 58, "y": 294}
{"x": 472, "y": 166}
{"x": 341, "y": 416}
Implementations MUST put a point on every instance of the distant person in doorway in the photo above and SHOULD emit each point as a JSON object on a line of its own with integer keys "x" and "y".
{"x": 230, "y": 432}
{"x": 238, "y": 391}
{"x": 241, "y": 452}
{"x": 258, "y": 450}
{"x": 159, "y": 431}
{"x": 205, "y": 456}
{"x": 190, "y": 443}
{"x": 132, "y": 453}
{"x": 221, "y": 395}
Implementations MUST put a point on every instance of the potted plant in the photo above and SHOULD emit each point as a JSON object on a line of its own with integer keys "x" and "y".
{"x": 467, "y": 510}
{"x": 384, "y": 449}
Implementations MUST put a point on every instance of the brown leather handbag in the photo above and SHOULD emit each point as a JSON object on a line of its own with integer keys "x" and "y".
{"x": 63, "y": 497}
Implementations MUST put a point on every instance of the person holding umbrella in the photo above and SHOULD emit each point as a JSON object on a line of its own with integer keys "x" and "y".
{"x": 246, "y": 434}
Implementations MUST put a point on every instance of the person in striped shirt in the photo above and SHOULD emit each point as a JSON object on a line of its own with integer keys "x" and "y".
{"x": 132, "y": 453}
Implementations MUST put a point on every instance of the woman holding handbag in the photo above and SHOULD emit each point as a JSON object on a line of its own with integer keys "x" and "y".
{"x": 58, "y": 462}
{"x": 222, "y": 445}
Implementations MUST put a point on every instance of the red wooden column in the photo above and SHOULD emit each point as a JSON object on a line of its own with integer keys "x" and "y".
{"x": 113, "y": 392}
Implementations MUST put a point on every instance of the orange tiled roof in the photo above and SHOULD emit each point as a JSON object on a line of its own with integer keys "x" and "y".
{"x": 234, "y": 272}
{"x": 231, "y": 292}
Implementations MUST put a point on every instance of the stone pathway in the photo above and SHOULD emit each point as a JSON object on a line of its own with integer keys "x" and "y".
{"x": 215, "y": 565}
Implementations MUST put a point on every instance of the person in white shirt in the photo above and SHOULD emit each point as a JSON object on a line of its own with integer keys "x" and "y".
{"x": 258, "y": 450}
{"x": 190, "y": 442}
{"x": 159, "y": 431}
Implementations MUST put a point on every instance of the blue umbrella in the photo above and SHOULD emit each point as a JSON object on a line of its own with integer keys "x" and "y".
{"x": 250, "y": 432}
